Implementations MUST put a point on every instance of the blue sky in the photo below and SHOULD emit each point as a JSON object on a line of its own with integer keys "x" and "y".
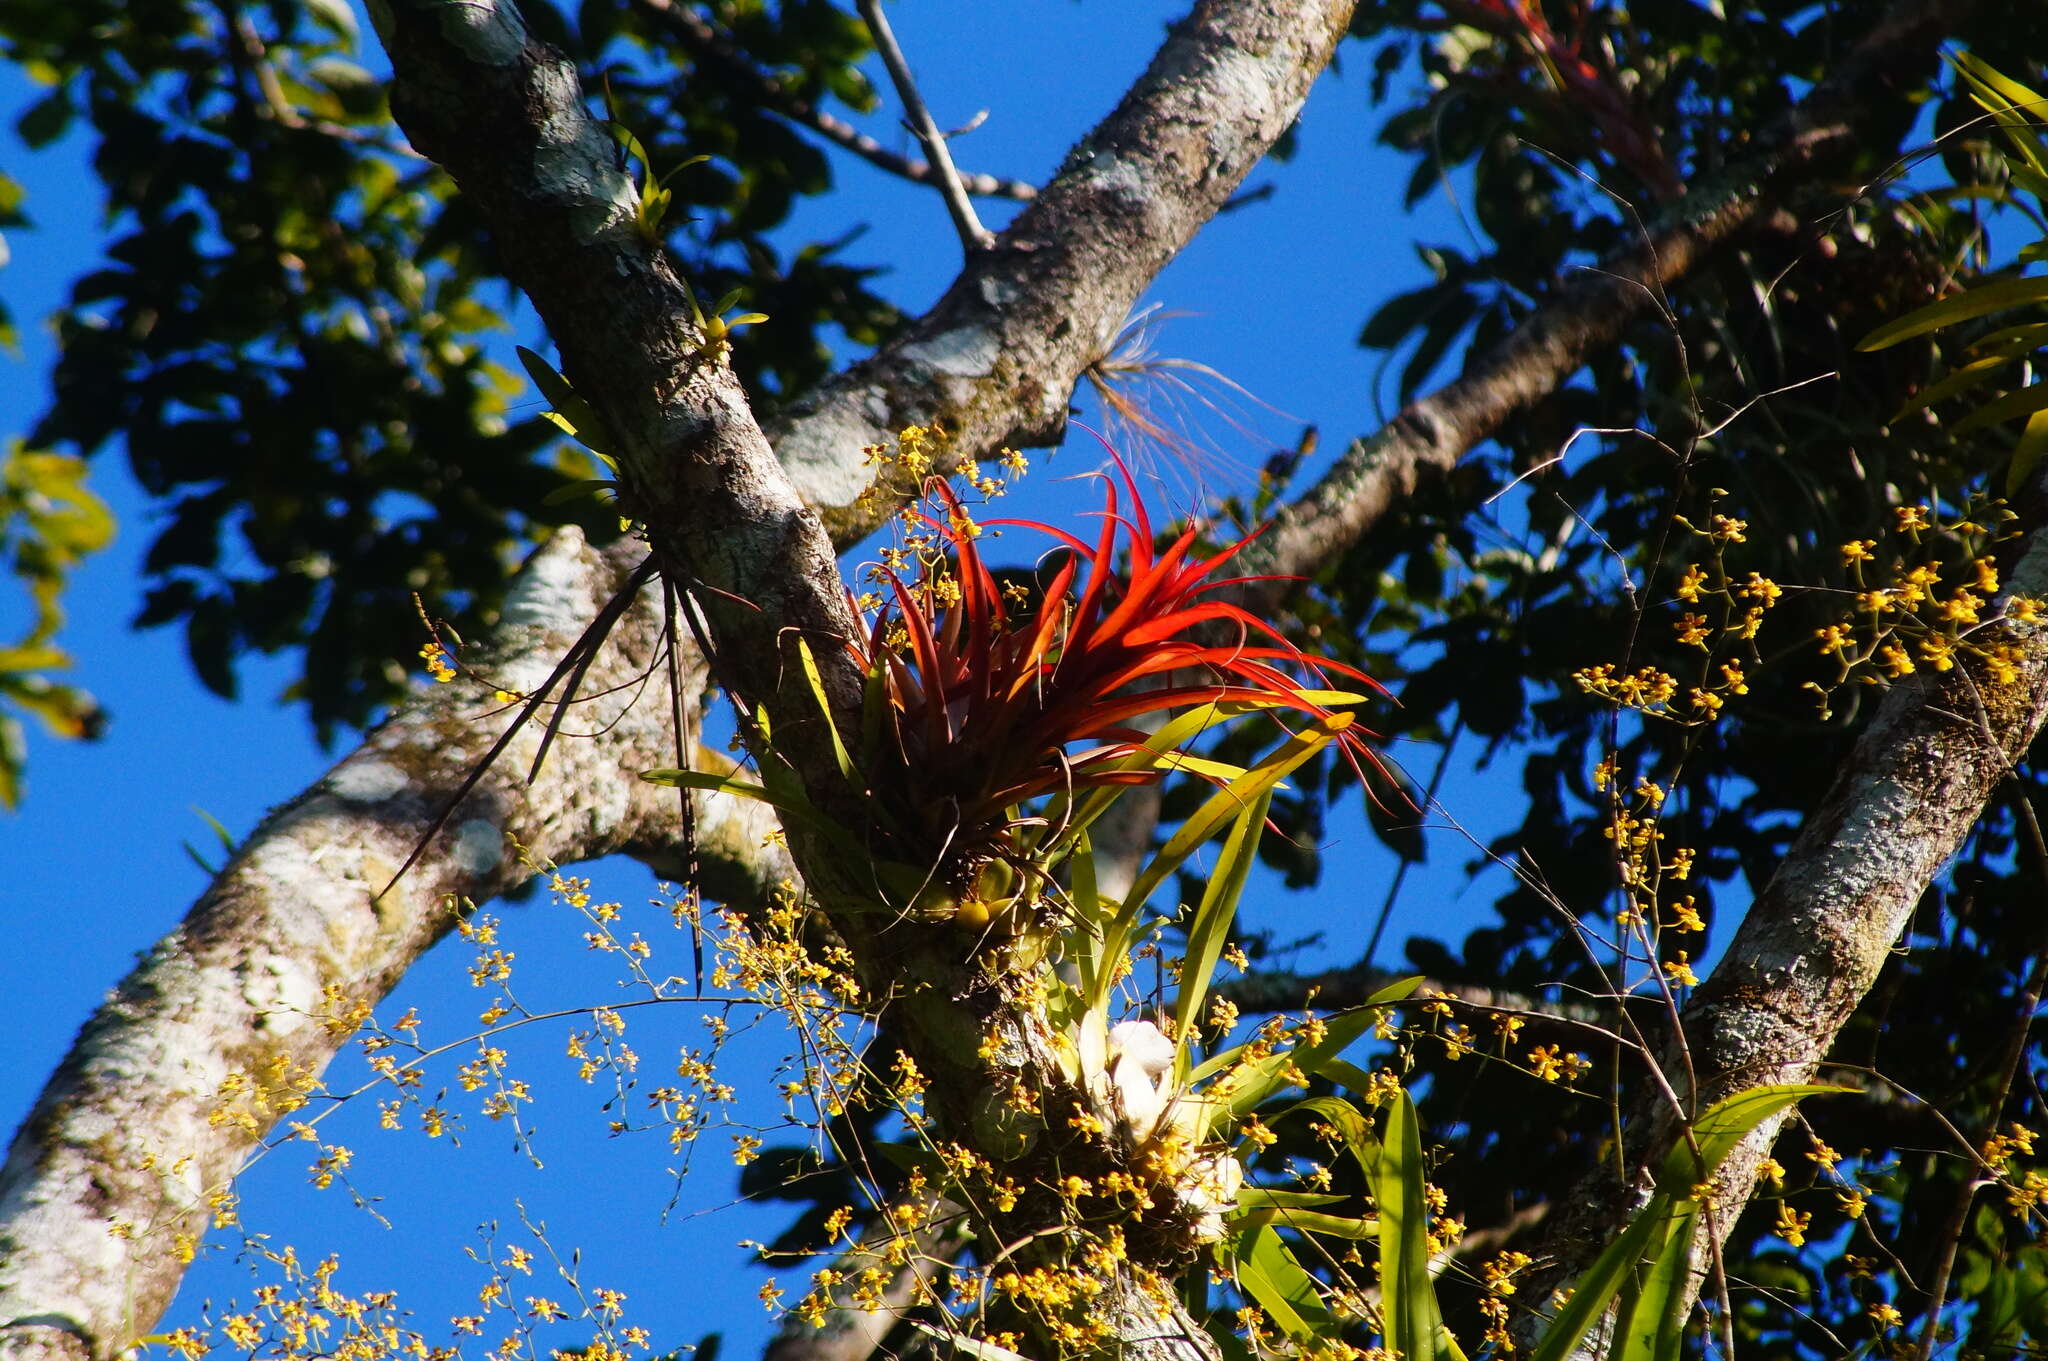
{"x": 1272, "y": 296}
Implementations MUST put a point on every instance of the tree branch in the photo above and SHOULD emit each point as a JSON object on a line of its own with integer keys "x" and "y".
{"x": 1814, "y": 940}
{"x": 708, "y": 45}
{"x": 301, "y": 910}
{"x": 1431, "y": 434}
{"x": 973, "y": 236}
{"x": 727, "y": 526}
{"x": 996, "y": 360}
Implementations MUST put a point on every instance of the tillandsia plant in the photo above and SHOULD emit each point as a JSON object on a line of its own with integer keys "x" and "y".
{"x": 996, "y": 728}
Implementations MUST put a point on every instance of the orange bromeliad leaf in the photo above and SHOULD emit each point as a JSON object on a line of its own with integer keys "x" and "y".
{"x": 986, "y": 711}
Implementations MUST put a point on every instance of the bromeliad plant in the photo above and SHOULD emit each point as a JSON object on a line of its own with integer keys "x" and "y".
{"x": 995, "y": 729}
{"x": 995, "y": 711}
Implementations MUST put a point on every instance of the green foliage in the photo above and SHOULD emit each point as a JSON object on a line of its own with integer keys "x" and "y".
{"x": 2017, "y": 111}
{"x": 49, "y": 523}
{"x": 295, "y": 331}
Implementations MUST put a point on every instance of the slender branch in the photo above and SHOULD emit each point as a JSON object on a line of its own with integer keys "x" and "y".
{"x": 1272, "y": 990}
{"x": 973, "y": 236}
{"x": 707, "y": 44}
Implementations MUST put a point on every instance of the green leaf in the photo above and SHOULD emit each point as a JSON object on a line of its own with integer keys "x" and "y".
{"x": 570, "y": 413}
{"x": 1961, "y": 380}
{"x": 1086, "y": 900}
{"x": 1414, "y": 1325}
{"x": 1601, "y": 1282}
{"x": 2033, "y": 442}
{"x": 1349, "y": 1122}
{"x": 1263, "y": 1198}
{"x": 1980, "y": 301}
{"x": 2011, "y": 406}
{"x": 1724, "y": 1125}
{"x": 1220, "y": 809}
{"x": 840, "y": 756}
{"x": 1663, "y": 1231}
{"x": 792, "y": 808}
{"x": 1272, "y": 1276}
{"x": 221, "y": 834}
{"x": 1309, "y": 1221}
{"x": 584, "y": 486}
{"x": 1210, "y": 929}
{"x": 1651, "y": 1324}
{"x": 1247, "y": 1087}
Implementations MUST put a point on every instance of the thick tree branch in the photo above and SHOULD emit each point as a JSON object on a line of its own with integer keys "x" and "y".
{"x": 996, "y": 360}
{"x": 1431, "y": 434}
{"x": 300, "y": 923}
{"x": 1812, "y": 943}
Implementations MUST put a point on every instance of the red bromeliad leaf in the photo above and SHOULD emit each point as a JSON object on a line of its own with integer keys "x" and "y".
{"x": 985, "y": 712}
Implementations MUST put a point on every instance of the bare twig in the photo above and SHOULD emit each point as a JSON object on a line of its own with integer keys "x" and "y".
{"x": 918, "y": 119}
{"x": 707, "y": 44}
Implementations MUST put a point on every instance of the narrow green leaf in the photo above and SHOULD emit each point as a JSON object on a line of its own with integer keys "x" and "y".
{"x": 1250, "y": 1085}
{"x": 1597, "y": 1286}
{"x": 1723, "y": 1126}
{"x": 220, "y": 833}
{"x": 1210, "y": 929}
{"x": 2011, "y": 406}
{"x": 1272, "y": 1276}
{"x": 2033, "y": 442}
{"x": 1266, "y": 1198}
{"x": 2012, "y": 340}
{"x": 1953, "y": 384}
{"x": 577, "y": 490}
{"x": 2018, "y": 109}
{"x": 1652, "y": 1327}
{"x": 1407, "y": 1294}
{"x": 2033, "y": 181}
{"x": 1980, "y": 301}
{"x": 1086, "y": 900}
{"x": 1221, "y": 807}
{"x": 680, "y": 166}
{"x": 1310, "y": 1221}
{"x": 553, "y": 386}
{"x": 791, "y": 808}
{"x": 1350, "y": 1123}
{"x": 840, "y": 756}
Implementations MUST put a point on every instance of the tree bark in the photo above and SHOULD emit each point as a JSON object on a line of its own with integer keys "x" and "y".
{"x": 299, "y": 926}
